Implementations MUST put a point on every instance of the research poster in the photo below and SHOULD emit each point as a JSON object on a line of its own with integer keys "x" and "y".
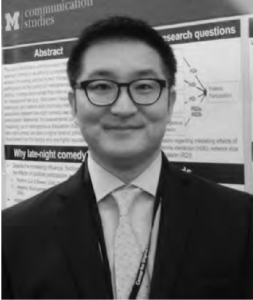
{"x": 42, "y": 144}
{"x": 206, "y": 132}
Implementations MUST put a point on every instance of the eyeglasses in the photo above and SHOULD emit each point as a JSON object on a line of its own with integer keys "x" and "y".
{"x": 102, "y": 92}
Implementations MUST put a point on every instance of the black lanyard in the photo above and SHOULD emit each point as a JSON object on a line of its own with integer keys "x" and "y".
{"x": 101, "y": 240}
{"x": 98, "y": 229}
{"x": 144, "y": 260}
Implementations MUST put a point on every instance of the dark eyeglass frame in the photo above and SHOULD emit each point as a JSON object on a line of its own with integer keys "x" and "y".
{"x": 84, "y": 84}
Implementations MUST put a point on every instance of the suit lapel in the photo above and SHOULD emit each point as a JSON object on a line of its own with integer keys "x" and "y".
{"x": 76, "y": 232}
{"x": 177, "y": 218}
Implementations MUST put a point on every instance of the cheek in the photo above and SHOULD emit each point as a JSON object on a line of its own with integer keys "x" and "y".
{"x": 89, "y": 126}
{"x": 87, "y": 114}
{"x": 157, "y": 122}
{"x": 157, "y": 114}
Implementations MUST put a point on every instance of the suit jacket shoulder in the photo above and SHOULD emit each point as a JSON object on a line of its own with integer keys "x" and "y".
{"x": 35, "y": 209}
{"x": 209, "y": 192}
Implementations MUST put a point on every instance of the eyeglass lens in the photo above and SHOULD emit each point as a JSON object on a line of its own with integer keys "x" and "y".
{"x": 104, "y": 92}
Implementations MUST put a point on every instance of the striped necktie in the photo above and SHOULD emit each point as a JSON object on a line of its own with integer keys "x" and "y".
{"x": 127, "y": 249}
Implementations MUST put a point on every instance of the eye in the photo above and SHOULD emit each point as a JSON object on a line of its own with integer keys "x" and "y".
{"x": 100, "y": 86}
{"x": 145, "y": 86}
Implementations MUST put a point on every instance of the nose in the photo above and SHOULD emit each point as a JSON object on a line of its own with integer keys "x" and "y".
{"x": 124, "y": 105}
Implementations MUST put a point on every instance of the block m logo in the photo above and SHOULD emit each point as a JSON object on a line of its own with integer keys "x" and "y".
{"x": 12, "y": 21}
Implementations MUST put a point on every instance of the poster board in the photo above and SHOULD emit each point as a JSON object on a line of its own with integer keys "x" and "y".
{"x": 43, "y": 146}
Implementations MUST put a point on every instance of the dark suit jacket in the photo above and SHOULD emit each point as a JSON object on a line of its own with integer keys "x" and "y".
{"x": 204, "y": 249}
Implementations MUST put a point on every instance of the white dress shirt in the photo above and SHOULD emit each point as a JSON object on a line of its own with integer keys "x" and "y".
{"x": 104, "y": 183}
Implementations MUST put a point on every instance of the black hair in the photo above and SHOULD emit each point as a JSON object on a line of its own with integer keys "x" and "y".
{"x": 121, "y": 28}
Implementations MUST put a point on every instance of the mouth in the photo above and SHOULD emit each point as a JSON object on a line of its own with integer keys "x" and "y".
{"x": 122, "y": 128}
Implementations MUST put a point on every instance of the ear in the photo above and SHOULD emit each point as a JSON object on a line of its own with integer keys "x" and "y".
{"x": 73, "y": 105}
{"x": 171, "y": 102}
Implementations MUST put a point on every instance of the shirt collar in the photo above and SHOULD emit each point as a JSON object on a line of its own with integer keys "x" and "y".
{"x": 148, "y": 180}
{"x": 104, "y": 182}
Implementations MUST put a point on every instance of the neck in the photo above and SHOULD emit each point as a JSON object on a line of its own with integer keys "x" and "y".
{"x": 125, "y": 169}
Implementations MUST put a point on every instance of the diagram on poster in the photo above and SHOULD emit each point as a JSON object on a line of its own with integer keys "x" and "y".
{"x": 207, "y": 122}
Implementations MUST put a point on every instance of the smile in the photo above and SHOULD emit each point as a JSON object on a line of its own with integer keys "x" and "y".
{"x": 123, "y": 127}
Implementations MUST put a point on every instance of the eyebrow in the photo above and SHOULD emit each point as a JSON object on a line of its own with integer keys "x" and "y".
{"x": 138, "y": 73}
{"x": 102, "y": 73}
{"x": 148, "y": 72}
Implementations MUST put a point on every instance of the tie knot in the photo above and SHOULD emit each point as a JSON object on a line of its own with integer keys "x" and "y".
{"x": 125, "y": 197}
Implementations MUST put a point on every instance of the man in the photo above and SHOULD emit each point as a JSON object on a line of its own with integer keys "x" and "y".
{"x": 128, "y": 224}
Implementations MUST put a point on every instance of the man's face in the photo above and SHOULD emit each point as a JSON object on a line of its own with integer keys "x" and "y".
{"x": 124, "y": 130}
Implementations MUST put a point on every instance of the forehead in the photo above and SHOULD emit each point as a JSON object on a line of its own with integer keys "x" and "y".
{"x": 121, "y": 58}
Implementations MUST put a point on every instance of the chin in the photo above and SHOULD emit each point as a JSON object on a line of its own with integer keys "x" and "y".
{"x": 124, "y": 153}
